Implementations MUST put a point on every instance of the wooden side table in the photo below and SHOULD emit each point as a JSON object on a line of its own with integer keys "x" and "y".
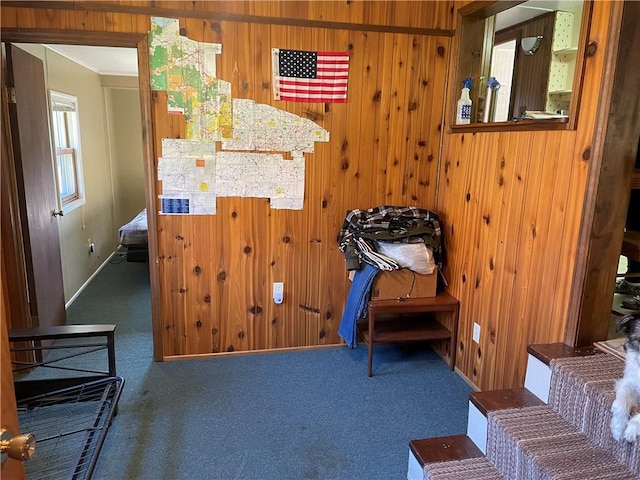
{"x": 411, "y": 330}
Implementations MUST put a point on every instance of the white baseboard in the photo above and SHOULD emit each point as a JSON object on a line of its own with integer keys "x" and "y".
{"x": 84, "y": 285}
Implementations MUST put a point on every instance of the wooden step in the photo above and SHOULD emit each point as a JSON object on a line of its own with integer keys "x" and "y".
{"x": 443, "y": 449}
{"x": 500, "y": 399}
{"x": 545, "y": 352}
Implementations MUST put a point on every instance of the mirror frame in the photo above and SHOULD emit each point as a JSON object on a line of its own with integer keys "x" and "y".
{"x": 475, "y": 33}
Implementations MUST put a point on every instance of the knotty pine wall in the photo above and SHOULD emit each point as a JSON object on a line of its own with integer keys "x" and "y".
{"x": 216, "y": 272}
{"x": 511, "y": 203}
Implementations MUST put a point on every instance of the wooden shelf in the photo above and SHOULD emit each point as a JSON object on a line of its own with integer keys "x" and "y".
{"x": 409, "y": 329}
{"x": 388, "y": 322}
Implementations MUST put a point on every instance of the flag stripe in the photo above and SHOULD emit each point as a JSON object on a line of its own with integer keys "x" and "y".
{"x": 310, "y": 82}
{"x": 312, "y": 92}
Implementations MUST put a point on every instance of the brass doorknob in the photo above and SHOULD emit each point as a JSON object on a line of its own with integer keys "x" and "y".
{"x": 20, "y": 447}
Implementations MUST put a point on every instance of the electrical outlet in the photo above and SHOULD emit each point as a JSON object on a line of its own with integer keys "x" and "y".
{"x": 476, "y": 332}
{"x": 278, "y": 292}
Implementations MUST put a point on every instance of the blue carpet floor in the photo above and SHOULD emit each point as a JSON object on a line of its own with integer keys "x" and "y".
{"x": 310, "y": 414}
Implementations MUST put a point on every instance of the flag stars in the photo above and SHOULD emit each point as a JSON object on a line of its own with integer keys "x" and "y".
{"x": 298, "y": 64}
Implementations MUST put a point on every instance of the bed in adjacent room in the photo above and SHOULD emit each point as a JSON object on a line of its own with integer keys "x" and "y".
{"x": 134, "y": 236}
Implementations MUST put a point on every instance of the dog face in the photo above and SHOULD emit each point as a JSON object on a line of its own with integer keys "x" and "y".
{"x": 630, "y": 326}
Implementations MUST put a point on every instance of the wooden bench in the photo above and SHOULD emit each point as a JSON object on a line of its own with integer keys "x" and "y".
{"x": 399, "y": 329}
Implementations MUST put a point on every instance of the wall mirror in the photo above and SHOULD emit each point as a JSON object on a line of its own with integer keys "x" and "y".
{"x": 525, "y": 59}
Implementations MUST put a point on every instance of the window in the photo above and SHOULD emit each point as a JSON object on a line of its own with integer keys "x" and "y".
{"x": 66, "y": 139}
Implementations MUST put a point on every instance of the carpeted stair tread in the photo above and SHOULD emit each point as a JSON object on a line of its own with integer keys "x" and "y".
{"x": 478, "y": 468}
{"x": 582, "y": 391}
{"x": 536, "y": 442}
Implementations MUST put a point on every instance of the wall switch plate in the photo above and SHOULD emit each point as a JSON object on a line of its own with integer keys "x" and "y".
{"x": 476, "y": 332}
{"x": 278, "y": 292}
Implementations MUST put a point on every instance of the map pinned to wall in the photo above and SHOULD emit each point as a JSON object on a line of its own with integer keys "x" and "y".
{"x": 187, "y": 171}
{"x": 261, "y": 127}
{"x": 186, "y": 69}
{"x": 193, "y": 172}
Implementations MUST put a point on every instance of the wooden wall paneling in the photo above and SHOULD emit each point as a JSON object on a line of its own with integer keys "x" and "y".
{"x": 483, "y": 200}
{"x": 354, "y": 12}
{"x": 311, "y": 307}
{"x": 539, "y": 302}
{"x": 262, "y": 301}
{"x": 260, "y": 36}
{"x": 258, "y": 63}
{"x": 555, "y": 263}
{"x": 170, "y": 231}
{"x": 48, "y": 17}
{"x": 10, "y": 16}
{"x": 171, "y": 250}
{"x": 502, "y": 210}
{"x": 367, "y": 46}
{"x": 375, "y": 12}
{"x": 415, "y": 113}
{"x": 522, "y": 331}
{"x": 122, "y": 22}
{"x": 256, "y": 278}
{"x": 237, "y": 317}
{"x": 300, "y": 291}
{"x": 26, "y": 18}
{"x": 603, "y": 167}
{"x": 200, "y": 279}
{"x": 275, "y": 317}
{"x": 508, "y": 327}
{"x": 313, "y": 271}
{"x": 350, "y": 148}
{"x": 453, "y": 191}
{"x": 220, "y": 263}
{"x": 332, "y": 278}
{"x": 428, "y": 65}
{"x": 333, "y": 275}
{"x": 478, "y": 269}
{"x": 396, "y": 161}
{"x": 383, "y": 133}
{"x": 433, "y": 82}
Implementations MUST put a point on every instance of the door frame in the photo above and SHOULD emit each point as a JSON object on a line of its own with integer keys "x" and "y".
{"x": 612, "y": 156}
{"x": 141, "y": 44}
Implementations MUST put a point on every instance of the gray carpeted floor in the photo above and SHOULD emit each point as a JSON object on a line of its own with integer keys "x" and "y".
{"x": 293, "y": 415}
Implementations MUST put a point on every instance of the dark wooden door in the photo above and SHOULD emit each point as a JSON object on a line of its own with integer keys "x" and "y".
{"x": 37, "y": 198}
{"x": 8, "y": 411}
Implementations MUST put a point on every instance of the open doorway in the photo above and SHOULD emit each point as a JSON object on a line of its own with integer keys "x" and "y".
{"x": 139, "y": 43}
{"x": 94, "y": 107}
{"x": 626, "y": 298}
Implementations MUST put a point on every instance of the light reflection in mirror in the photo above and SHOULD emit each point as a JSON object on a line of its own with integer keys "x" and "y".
{"x": 502, "y": 62}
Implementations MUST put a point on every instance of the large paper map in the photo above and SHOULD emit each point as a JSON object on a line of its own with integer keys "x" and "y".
{"x": 186, "y": 69}
{"x": 193, "y": 171}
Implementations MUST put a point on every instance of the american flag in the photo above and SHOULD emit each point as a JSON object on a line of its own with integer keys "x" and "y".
{"x": 301, "y": 76}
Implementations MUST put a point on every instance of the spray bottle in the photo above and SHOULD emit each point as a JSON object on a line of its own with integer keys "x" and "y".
{"x": 463, "y": 113}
